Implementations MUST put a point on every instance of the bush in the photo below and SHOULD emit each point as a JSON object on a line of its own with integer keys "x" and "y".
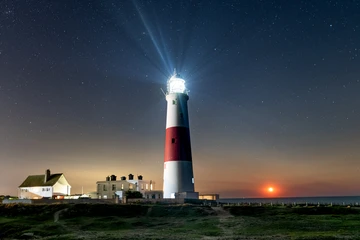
{"x": 133, "y": 194}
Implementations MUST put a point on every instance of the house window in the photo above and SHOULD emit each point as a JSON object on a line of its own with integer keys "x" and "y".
{"x": 173, "y": 140}
{"x": 122, "y": 186}
{"x": 142, "y": 186}
{"x": 146, "y": 187}
{"x": 113, "y": 187}
{"x": 104, "y": 187}
{"x": 130, "y": 186}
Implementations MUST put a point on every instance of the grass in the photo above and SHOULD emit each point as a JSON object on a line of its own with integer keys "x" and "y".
{"x": 300, "y": 223}
{"x": 97, "y": 221}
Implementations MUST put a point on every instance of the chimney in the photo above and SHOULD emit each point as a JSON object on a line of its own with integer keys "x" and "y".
{"x": 47, "y": 175}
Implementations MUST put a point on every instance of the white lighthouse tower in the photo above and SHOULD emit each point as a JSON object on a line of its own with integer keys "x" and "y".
{"x": 178, "y": 170}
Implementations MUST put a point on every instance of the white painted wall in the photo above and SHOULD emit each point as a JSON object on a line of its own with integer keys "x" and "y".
{"x": 177, "y": 110}
{"x": 35, "y": 192}
{"x": 61, "y": 189}
{"x": 62, "y": 186}
{"x": 178, "y": 177}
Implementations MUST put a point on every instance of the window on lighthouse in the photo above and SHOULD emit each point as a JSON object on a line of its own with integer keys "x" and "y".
{"x": 174, "y": 102}
{"x": 173, "y": 140}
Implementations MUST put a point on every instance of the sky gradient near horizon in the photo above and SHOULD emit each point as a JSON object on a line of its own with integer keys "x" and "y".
{"x": 274, "y": 92}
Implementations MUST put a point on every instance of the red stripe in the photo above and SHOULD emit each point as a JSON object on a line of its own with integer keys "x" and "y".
{"x": 177, "y": 144}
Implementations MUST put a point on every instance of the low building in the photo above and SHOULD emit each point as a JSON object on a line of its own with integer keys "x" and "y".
{"x": 111, "y": 187}
{"x": 44, "y": 186}
{"x": 209, "y": 196}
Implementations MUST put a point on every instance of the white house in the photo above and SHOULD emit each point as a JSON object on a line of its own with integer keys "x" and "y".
{"x": 44, "y": 186}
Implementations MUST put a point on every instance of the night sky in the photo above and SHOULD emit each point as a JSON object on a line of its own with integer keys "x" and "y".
{"x": 274, "y": 92}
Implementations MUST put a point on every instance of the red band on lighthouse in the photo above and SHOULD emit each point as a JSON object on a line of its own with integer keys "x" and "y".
{"x": 177, "y": 144}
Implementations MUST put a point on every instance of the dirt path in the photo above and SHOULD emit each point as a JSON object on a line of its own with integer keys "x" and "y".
{"x": 222, "y": 213}
{"x": 225, "y": 222}
{"x": 57, "y": 214}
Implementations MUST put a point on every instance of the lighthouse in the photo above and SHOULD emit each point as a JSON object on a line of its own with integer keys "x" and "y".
{"x": 178, "y": 169}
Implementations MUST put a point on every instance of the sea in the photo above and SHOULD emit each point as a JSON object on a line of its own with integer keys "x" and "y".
{"x": 336, "y": 200}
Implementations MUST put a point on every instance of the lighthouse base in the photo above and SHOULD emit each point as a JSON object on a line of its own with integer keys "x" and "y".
{"x": 178, "y": 180}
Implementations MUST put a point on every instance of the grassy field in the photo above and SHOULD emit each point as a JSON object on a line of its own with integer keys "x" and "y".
{"x": 100, "y": 221}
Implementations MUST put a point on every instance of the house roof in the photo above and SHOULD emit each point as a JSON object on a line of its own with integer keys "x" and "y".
{"x": 38, "y": 180}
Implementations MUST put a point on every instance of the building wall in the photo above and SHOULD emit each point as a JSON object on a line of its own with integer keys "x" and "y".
{"x": 35, "y": 192}
{"x": 17, "y": 201}
{"x": 62, "y": 187}
{"x": 153, "y": 195}
{"x": 162, "y": 201}
{"x": 211, "y": 196}
{"x": 107, "y": 189}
